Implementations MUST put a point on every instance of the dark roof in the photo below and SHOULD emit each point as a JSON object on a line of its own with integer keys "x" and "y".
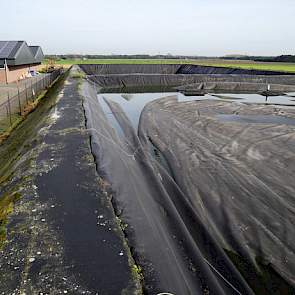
{"x": 34, "y": 49}
{"x": 37, "y": 53}
{"x": 19, "y": 53}
{"x": 8, "y": 49}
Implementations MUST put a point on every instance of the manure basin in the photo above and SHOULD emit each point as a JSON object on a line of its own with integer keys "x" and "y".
{"x": 149, "y": 201}
{"x": 216, "y": 225}
{"x": 133, "y": 103}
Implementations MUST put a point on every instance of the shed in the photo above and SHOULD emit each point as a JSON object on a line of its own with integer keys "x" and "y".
{"x": 17, "y": 59}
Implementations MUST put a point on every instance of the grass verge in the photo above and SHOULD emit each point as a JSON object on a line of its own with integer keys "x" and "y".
{"x": 7, "y": 126}
{"x": 267, "y": 66}
{"x": 6, "y": 207}
{"x": 78, "y": 75}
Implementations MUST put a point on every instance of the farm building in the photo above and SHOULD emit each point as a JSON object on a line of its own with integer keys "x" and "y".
{"x": 17, "y": 59}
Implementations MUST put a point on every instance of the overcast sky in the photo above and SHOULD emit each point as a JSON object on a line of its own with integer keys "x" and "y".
{"x": 189, "y": 27}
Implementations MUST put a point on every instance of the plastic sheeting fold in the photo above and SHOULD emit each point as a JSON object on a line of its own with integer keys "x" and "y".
{"x": 222, "y": 194}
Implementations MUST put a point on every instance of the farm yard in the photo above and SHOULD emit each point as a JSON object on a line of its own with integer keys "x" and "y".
{"x": 186, "y": 153}
{"x": 147, "y": 147}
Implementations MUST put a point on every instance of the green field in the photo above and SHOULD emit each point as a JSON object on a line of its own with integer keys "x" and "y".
{"x": 286, "y": 67}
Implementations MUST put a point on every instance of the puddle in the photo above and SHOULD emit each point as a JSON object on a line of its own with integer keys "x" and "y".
{"x": 252, "y": 119}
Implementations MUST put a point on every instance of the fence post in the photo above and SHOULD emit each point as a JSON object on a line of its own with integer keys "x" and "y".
{"x": 9, "y": 108}
{"x": 36, "y": 86}
{"x": 7, "y": 111}
{"x": 32, "y": 91}
{"x": 26, "y": 92}
{"x": 40, "y": 85}
{"x": 19, "y": 103}
{"x": 31, "y": 88}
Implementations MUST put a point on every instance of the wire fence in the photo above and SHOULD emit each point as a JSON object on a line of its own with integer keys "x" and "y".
{"x": 16, "y": 105}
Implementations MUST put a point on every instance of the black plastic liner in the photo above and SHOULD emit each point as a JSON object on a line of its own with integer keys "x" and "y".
{"x": 188, "y": 77}
{"x": 208, "y": 70}
{"x": 169, "y": 241}
{"x": 237, "y": 176}
{"x": 221, "y": 221}
{"x": 108, "y": 69}
{"x": 209, "y": 82}
{"x": 130, "y": 69}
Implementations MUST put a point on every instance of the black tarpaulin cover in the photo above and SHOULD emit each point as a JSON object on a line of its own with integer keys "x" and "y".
{"x": 163, "y": 229}
{"x": 219, "y": 219}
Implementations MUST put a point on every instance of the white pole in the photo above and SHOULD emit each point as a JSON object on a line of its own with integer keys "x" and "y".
{"x": 5, "y": 65}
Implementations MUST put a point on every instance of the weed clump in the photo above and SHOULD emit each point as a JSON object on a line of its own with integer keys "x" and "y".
{"x": 78, "y": 75}
{"x": 6, "y": 207}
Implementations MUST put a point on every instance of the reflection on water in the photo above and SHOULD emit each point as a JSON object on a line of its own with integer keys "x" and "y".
{"x": 133, "y": 103}
{"x": 111, "y": 118}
